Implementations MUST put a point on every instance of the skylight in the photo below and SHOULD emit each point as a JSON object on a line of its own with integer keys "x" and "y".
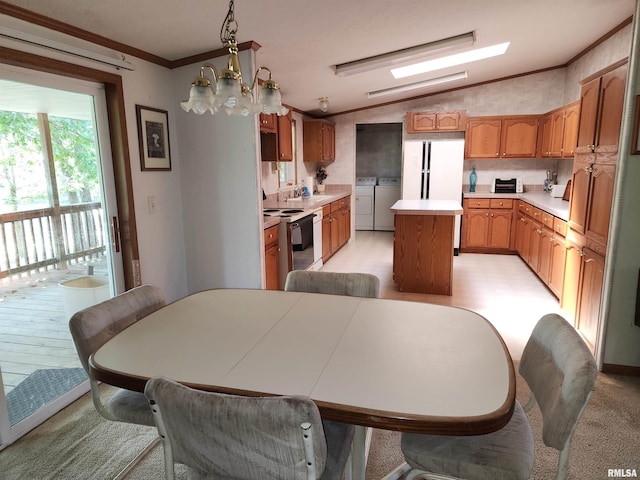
{"x": 450, "y": 60}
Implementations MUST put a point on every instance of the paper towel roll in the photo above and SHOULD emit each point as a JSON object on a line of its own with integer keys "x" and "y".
{"x": 309, "y": 183}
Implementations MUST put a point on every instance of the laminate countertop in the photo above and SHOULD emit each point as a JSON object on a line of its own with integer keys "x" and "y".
{"x": 426, "y": 207}
{"x": 544, "y": 201}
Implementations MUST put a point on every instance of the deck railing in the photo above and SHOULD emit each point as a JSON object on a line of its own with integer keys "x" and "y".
{"x": 43, "y": 238}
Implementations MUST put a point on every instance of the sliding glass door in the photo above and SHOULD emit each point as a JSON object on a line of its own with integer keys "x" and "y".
{"x": 58, "y": 238}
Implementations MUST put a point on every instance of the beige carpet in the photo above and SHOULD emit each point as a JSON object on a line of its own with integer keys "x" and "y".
{"x": 79, "y": 444}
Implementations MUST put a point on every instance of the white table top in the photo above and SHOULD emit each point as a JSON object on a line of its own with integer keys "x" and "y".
{"x": 391, "y": 364}
{"x": 427, "y": 207}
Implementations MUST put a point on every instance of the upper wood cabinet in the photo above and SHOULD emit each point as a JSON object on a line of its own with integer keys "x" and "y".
{"x": 268, "y": 123}
{"x": 502, "y": 137}
{"x": 276, "y": 140}
{"x": 570, "y": 137}
{"x": 418, "y": 122}
{"x": 285, "y": 138}
{"x": 601, "y": 104}
{"x": 482, "y": 139}
{"x": 319, "y": 141}
{"x": 559, "y": 132}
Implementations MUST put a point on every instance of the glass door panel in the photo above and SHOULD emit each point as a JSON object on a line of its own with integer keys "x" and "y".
{"x": 57, "y": 203}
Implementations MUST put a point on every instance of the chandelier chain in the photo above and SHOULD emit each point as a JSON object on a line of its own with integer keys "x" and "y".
{"x": 229, "y": 26}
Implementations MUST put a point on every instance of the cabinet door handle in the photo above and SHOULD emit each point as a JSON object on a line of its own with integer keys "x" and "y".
{"x": 588, "y": 169}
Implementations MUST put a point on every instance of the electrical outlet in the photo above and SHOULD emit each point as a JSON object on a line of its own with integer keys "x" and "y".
{"x": 151, "y": 202}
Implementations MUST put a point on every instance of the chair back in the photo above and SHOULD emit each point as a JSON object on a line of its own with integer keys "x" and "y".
{"x": 234, "y": 437}
{"x": 94, "y": 326}
{"x": 561, "y": 372}
{"x": 334, "y": 283}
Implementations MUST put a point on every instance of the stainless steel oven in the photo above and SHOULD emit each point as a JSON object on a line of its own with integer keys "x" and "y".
{"x": 296, "y": 239}
{"x": 300, "y": 242}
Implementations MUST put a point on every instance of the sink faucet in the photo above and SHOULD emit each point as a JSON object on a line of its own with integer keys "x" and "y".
{"x": 296, "y": 191}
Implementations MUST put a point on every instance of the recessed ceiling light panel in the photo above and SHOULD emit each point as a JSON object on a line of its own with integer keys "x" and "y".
{"x": 450, "y": 61}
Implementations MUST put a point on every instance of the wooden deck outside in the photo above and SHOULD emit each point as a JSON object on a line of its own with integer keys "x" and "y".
{"x": 34, "y": 331}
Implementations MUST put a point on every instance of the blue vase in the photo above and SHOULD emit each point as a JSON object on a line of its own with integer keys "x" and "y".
{"x": 473, "y": 178}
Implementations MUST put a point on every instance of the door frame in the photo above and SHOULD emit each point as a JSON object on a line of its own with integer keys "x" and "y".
{"x": 119, "y": 142}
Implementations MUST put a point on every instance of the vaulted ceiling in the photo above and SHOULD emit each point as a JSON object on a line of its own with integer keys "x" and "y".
{"x": 301, "y": 41}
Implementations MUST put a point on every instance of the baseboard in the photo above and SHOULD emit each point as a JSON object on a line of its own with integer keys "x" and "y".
{"x": 627, "y": 370}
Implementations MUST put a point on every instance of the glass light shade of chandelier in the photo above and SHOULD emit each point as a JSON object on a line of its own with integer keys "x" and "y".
{"x": 228, "y": 91}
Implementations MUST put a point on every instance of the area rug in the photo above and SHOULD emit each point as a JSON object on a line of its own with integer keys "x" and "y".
{"x": 41, "y": 388}
{"x": 75, "y": 444}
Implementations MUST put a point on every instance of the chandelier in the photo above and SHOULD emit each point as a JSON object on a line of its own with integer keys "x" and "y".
{"x": 227, "y": 91}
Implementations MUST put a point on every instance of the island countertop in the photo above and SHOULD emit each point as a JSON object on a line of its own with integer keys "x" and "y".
{"x": 426, "y": 207}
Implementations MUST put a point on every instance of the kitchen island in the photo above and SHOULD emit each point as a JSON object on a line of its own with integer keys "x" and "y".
{"x": 423, "y": 245}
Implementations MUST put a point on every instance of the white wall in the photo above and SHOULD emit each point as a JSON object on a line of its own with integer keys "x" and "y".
{"x": 221, "y": 208}
{"x": 160, "y": 235}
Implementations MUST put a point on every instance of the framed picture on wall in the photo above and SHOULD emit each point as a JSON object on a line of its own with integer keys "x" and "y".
{"x": 153, "y": 138}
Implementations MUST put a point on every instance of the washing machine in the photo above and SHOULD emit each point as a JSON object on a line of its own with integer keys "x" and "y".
{"x": 386, "y": 193}
{"x": 365, "y": 202}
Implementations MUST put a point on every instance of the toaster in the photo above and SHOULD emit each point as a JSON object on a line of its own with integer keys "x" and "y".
{"x": 511, "y": 185}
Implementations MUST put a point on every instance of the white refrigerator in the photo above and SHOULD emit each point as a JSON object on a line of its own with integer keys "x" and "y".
{"x": 432, "y": 169}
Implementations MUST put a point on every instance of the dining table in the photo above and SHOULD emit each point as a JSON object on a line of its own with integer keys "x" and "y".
{"x": 389, "y": 364}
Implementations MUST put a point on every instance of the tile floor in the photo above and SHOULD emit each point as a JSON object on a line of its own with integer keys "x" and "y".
{"x": 502, "y": 288}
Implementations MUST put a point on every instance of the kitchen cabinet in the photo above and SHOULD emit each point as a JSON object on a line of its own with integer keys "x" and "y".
{"x": 582, "y": 289}
{"x": 540, "y": 242}
{"x": 268, "y": 123}
{"x": 592, "y": 187}
{"x": 276, "y": 141}
{"x": 336, "y": 226}
{"x": 553, "y": 129}
{"x": 557, "y": 256}
{"x": 418, "y": 122}
{"x": 523, "y": 235}
{"x": 482, "y": 139}
{"x": 601, "y": 105}
{"x": 272, "y": 258}
{"x": 486, "y": 224}
{"x": 559, "y": 132}
{"x": 502, "y": 137}
{"x": 591, "y": 281}
{"x": 318, "y": 141}
{"x": 570, "y": 137}
{"x": 571, "y": 281}
{"x": 285, "y": 138}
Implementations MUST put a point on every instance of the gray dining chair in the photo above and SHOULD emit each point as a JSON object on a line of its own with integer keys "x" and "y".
{"x": 93, "y": 327}
{"x": 334, "y": 283}
{"x": 561, "y": 372}
{"x": 218, "y": 436}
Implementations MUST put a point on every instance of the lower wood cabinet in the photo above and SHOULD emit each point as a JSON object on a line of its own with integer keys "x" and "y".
{"x": 591, "y": 280}
{"x": 583, "y": 281}
{"x": 271, "y": 258}
{"x": 486, "y": 224}
{"x": 557, "y": 258}
{"x": 336, "y": 226}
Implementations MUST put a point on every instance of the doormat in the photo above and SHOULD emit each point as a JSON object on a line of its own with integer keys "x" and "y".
{"x": 41, "y": 388}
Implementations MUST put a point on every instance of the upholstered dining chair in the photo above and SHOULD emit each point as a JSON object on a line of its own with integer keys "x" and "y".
{"x": 220, "y": 436}
{"x": 93, "y": 327}
{"x": 335, "y": 283}
{"x": 561, "y": 373}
